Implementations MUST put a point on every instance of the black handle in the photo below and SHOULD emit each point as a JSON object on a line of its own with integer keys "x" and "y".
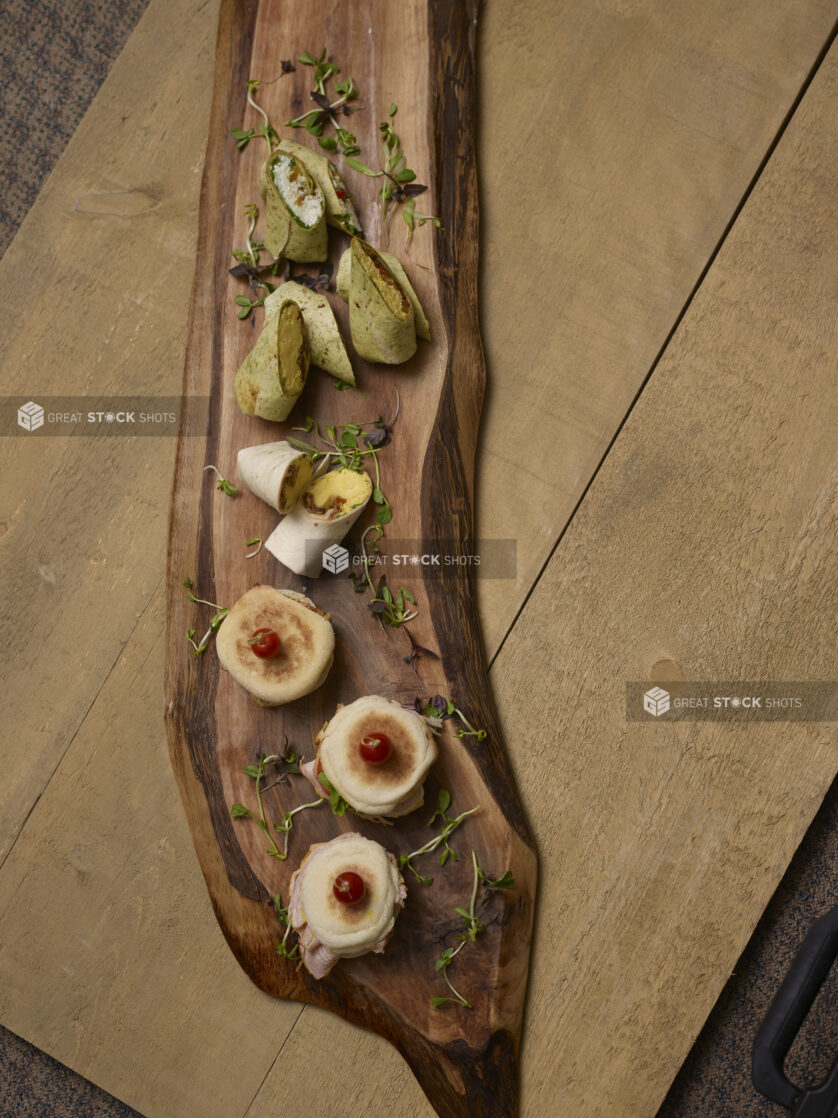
{"x": 788, "y": 1010}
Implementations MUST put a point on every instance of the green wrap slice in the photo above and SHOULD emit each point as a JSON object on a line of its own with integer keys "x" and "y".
{"x": 423, "y": 327}
{"x": 295, "y": 211}
{"x": 326, "y": 345}
{"x": 340, "y": 209}
{"x": 272, "y": 377}
{"x": 381, "y": 317}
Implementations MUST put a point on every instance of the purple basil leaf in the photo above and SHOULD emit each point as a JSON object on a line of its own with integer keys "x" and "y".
{"x": 320, "y": 100}
{"x": 411, "y": 189}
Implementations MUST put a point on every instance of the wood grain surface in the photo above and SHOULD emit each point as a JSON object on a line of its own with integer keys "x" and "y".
{"x": 463, "y": 1057}
{"x": 713, "y": 523}
{"x": 93, "y": 985}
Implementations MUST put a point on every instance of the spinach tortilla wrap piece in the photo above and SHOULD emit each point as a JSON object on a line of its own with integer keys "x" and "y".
{"x": 340, "y": 209}
{"x": 423, "y": 327}
{"x": 271, "y": 378}
{"x": 381, "y": 318}
{"x": 295, "y": 211}
{"x": 326, "y": 345}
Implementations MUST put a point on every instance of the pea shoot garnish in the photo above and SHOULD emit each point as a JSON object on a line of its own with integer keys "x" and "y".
{"x": 315, "y": 120}
{"x": 215, "y": 623}
{"x": 448, "y": 825}
{"x": 283, "y": 949}
{"x": 439, "y": 708}
{"x": 400, "y": 187}
{"x": 337, "y": 803}
{"x": 241, "y": 811}
{"x": 472, "y": 928}
{"x": 224, "y": 485}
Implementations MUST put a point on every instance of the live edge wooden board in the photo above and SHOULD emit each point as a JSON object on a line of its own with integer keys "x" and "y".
{"x": 419, "y": 56}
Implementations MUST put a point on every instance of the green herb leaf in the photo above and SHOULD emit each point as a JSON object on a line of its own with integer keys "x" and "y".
{"x": 239, "y": 811}
{"x": 362, "y": 168}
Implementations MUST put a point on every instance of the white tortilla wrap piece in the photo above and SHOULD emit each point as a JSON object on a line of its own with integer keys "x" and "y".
{"x": 327, "y": 509}
{"x": 276, "y": 473}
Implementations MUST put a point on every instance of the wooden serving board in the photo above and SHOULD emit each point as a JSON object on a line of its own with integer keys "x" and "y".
{"x": 421, "y": 57}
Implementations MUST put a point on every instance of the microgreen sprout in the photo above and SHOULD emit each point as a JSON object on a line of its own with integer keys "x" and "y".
{"x": 241, "y": 811}
{"x": 287, "y": 822}
{"x": 417, "y": 651}
{"x": 400, "y": 186}
{"x": 327, "y": 111}
{"x": 439, "y": 708}
{"x": 293, "y": 952}
{"x": 250, "y": 266}
{"x": 254, "y": 541}
{"x": 224, "y": 485}
{"x": 449, "y": 825}
{"x": 266, "y": 130}
{"x": 337, "y": 803}
{"x": 215, "y": 623}
{"x": 471, "y": 929}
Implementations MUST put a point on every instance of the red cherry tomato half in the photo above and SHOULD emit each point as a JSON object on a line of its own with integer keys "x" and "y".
{"x": 376, "y": 748}
{"x": 265, "y": 644}
{"x": 341, "y": 194}
{"x": 349, "y": 887}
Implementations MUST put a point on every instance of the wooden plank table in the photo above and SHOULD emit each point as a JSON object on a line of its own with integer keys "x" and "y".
{"x": 659, "y": 848}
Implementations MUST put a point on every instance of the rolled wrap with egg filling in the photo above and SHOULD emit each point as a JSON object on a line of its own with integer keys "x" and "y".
{"x": 271, "y": 378}
{"x": 326, "y": 345}
{"x": 295, "y": 210}
{"x": 340, "y": 208}
{"x": 330, "y": 930}
{"x": 327, "y": 509}
{"x": 276, "y": 473}
{"x": 423, "y": 327}
{"x": 381, "y": 318}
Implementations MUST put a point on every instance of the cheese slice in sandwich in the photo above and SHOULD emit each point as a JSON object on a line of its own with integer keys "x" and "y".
{"x": 328, "y": 928}
{"x": 307, "y": 645}
{"x": 378, "y": 789}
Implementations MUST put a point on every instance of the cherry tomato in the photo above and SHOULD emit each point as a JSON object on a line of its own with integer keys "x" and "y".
{"x": 265, "y": 644}
{"x": 376, "y": 748}
{"x": 349, "y": 887}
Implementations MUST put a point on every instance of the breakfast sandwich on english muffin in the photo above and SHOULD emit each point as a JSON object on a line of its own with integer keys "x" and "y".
{"x": 344, "y": 900}
{"x": 375, "y": 754}
{"x": 277, "y": 644}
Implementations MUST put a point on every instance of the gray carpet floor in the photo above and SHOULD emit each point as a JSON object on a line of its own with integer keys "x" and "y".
{"x": 54, "y": 56}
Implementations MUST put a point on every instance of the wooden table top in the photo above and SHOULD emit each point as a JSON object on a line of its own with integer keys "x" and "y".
{"x": 658, "y": 437}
